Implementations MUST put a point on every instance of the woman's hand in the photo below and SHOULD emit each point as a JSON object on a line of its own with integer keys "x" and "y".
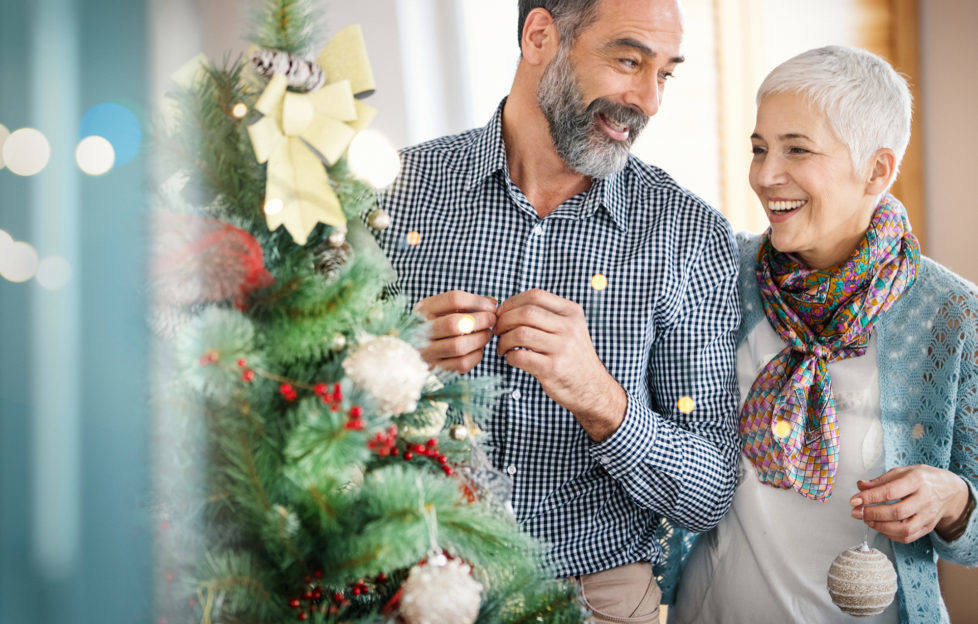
{"x": 922, "y": 498}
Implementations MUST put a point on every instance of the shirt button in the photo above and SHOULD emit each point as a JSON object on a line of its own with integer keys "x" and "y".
{"x": 603, "y": 461}
{"x": 511, "y": 469}
{"x": 538, "y": 229}
{"x": 517, "y": 394}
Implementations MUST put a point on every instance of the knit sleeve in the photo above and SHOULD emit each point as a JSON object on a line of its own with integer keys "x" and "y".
{"x": 962, "y": 314}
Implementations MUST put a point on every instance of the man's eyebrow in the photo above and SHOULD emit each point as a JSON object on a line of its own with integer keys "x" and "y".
{"x": 629, "y": 42}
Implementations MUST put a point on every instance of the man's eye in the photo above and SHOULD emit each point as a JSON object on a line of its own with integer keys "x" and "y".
{"x": 758, "y": 150}
{"x": 628, "y": 63}
{"x": 663, "y": 76}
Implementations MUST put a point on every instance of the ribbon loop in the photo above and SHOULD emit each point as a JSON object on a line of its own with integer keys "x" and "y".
{"x": 301, "y": 131}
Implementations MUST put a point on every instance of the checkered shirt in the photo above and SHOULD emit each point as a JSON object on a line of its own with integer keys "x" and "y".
{"x": 664, "y": 327}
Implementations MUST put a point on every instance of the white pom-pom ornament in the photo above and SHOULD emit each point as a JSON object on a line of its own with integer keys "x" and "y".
{"x": 390, "y": 370}
{"x": 441, "y": 592}
{"x": 862, "y": 581}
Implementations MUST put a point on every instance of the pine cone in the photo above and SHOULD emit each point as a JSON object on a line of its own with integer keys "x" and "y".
{"x": 329, "y": 260}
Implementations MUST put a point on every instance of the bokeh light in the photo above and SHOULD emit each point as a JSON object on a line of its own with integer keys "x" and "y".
{"x": 686, "y": 405}
{"x": 53, "y": 273}
{"x": 26, "y": 151}
{"x": 782, "y": 429}
{"x": 274, "y": 206}
{"x": 599, "y": 282}
{"x": 466, "y": 324}
{"x": 413, "y": 238}
{"x": 94, "y": 155}
{"x": 19, "y": 262}
{"x": 117, "y": 124}
{"x": 6, "y": 240}
{"x": 239, "y": 110}
{"x": 4, "y": 133}
{"x": 373, "y": 159}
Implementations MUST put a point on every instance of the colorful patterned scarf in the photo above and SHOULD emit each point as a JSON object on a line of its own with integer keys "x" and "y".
{"x": 788, "y": 425}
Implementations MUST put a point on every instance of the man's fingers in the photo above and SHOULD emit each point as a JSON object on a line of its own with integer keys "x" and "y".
{"x": 541, "y": 299}
{"x": 528, "y": 361}
{"x": 451, "y": 302}
{"x": 527, "y": 338}
{"x": 460, "y": 324}
{"x": 455, "y": 347}
{"x": 459, "y": 365}
{"x": 528, "y": 316}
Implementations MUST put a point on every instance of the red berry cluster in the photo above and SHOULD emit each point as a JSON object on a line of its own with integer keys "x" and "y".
{"x": 384, "y": 443}
{"x": 312, "y": 596}
{"x": 428, "y": 449}
{"x": 288, "y": 392}
{"x": 333, "y": 399}
{"x": 209, "y": 357}
{"x": 355, "y": 422}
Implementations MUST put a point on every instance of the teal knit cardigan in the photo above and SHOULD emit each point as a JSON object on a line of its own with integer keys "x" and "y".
{"x": 927, "y": 355}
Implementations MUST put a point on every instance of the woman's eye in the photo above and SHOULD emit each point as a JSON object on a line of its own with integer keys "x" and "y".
{"x": 798, "y": 150}
{"x": 757, "y": 150}
{"x": 665, "y": 76}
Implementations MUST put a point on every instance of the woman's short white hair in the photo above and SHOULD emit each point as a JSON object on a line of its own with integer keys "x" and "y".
{"x": 866, "y": 102}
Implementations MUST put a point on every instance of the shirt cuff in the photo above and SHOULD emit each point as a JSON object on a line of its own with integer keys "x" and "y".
{"x": 629, "y": 445}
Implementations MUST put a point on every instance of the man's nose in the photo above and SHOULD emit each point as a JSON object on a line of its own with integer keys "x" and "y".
{"x": 646, "y": 95}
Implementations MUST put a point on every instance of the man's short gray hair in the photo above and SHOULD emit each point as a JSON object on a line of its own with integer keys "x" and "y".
{"x": 866, "y": 102}
{"x": 570, "y": 16}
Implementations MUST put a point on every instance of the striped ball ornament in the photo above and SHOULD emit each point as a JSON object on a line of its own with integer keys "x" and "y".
{"x": 862, "y": 581}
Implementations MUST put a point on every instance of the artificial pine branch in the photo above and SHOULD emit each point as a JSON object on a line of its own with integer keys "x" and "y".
{"x": 286, "y": 25}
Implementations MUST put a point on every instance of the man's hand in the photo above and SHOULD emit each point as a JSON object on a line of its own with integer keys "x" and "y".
{"x": 461, "y": 325}
{"x": 923, "y": 498}
{"x": 547, "y": 337}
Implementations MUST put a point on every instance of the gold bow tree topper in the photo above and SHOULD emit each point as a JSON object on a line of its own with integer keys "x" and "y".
{"x": 299, "y": 131}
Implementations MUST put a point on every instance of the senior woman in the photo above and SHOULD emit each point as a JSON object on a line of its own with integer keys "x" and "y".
{"x": 856, "y": 362}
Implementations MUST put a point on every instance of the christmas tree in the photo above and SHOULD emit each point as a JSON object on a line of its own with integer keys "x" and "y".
{"x": 312, "y": 467}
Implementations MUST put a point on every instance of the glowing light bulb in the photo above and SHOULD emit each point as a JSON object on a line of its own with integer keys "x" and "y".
{"x": 19, "y": 262}
{"x": 239, "y": 110}
{"x": 782, "y": 429}
{"x": 95, "y": 155}
{"x": 26, "y": 152}
{"x": 413, "y": 238}
{"x": 466, "y": 324}
{"x": 372, "y": 158}
{"x": 274, "y": 206}
{"x": 53, "y": 273}
{"x": 599, "y": 282}
{"x": 686, "y": 405}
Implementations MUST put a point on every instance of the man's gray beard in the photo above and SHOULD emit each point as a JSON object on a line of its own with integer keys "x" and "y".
{"x": 585, "y": 148}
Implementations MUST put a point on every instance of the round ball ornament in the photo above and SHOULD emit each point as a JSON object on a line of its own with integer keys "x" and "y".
{"x": 337, "y": 237}
{"x": 441, "y": 594}
{"x": 379, "y": 219}
{"x": 862, "y": 581}
{"x": 390, "y": 370}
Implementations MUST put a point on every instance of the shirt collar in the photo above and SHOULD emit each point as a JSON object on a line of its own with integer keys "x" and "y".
{"x": 488, "y": 156}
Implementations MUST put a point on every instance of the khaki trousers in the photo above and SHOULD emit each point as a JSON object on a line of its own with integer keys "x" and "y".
{"x": 626, "y": 594}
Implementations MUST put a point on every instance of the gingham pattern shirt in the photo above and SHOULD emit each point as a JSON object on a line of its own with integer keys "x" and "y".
{"x": 665, "y": 327}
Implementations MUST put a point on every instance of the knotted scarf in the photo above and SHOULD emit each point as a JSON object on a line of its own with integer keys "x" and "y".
{"x": 788, "y": 424}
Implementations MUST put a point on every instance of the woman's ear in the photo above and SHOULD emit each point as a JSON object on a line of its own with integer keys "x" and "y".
{"x": 540, "y": 37}
{"x": 882, "y": 171}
